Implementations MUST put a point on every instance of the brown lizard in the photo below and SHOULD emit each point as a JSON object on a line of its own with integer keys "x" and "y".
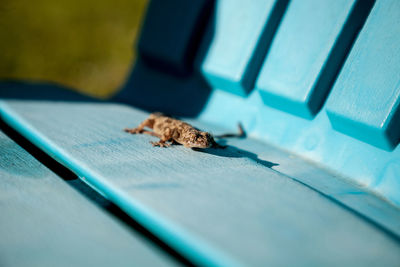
{"x": 176, "y": 131}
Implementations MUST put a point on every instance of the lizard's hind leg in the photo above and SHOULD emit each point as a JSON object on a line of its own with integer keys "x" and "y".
{"x": 140, "y": 129}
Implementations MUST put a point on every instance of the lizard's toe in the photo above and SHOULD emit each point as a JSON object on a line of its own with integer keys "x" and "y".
{"x": 155, "y": 143}
{"x": 160, "y": 144}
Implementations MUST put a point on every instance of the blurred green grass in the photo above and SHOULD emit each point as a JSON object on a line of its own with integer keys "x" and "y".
{"x": 87, "y": 45}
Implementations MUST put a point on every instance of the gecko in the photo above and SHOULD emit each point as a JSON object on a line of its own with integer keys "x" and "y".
{"x": 171, "y": 131}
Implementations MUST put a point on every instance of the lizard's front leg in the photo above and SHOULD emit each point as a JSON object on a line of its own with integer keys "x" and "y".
{"x": 166, "y": 136}
{"x": 161, "y": 143}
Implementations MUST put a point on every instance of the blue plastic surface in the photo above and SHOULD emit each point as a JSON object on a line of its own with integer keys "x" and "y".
{"x": 242, "y": 34}
{"x": 341, "y": 209}
{"x": 307, "y": 52}
{"x": 202, "y": 202}
{"x": 191, "y": 246}
{"x": 365, "y": 99}
{"x": 171, "y": 32}
{"x": 316, "y": 140}
{"x": 45, "y": 222}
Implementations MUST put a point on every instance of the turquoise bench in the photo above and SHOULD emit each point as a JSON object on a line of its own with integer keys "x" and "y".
{"x": 315, "y": 85}
{"x": 45, "y": 222}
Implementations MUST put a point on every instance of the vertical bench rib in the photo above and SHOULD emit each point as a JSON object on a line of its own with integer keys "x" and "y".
{"x": 307, "y": 53}
{"x": 365, "y": 101}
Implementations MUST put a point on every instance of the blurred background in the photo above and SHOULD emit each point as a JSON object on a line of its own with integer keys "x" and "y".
{"x": 85, "y": 45}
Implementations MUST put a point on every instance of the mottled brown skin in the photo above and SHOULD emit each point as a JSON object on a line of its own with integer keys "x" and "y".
{"x": 174, "y": 131}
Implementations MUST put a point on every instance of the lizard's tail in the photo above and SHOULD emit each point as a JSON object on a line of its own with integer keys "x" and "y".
{"x": 241, "y": 133}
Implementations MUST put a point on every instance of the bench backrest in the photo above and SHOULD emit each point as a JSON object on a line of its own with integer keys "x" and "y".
{"x": 320, "y": 79}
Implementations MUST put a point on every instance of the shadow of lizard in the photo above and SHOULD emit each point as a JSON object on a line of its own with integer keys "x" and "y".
{"x": 235, "y": 152}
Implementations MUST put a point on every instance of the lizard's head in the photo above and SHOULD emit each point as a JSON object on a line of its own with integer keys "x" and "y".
{"x": 200, "y": 140}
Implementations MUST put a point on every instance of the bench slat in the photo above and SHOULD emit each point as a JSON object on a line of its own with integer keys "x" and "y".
{"x": 365, "y": 101}
{"x": 217, "y": 207}
{"x": 241, "y": 35}
{"x": 306, "y": 54}
{"x": 44, "y": 222}
{"x": 171, "y": 31}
